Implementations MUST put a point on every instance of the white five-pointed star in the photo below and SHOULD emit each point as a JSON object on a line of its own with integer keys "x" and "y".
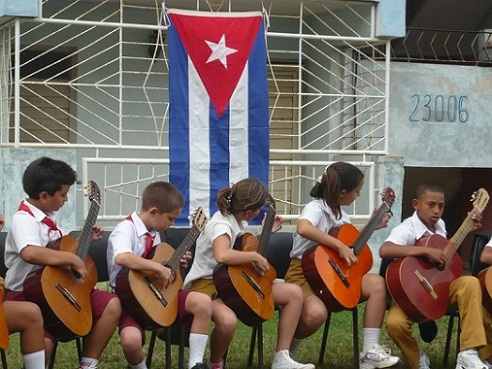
{"x": 220, "y": 51}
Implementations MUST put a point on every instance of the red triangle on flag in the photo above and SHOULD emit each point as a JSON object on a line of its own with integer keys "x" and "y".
{"x": 218, "y": 46}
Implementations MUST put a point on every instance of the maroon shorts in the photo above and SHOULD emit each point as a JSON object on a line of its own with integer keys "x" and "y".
{"x": 99, "y": 302}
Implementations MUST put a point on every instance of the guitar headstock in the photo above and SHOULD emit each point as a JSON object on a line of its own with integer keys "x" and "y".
{"x": 388, "y": 196}
{"x": 480, "y": 199}
{"x": 198, "y": 219}
{"x": 93, "y": 192}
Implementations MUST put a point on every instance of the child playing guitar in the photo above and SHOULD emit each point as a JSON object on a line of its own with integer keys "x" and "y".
{"x": 339, "y": 185}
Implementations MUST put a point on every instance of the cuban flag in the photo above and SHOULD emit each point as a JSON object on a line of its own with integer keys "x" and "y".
{"x": 218, "y": 112}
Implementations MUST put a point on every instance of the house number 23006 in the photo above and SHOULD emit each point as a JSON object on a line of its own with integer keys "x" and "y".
{"x": 439, "y": 108}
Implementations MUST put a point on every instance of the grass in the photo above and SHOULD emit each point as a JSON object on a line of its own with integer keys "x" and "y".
{"x": 338, "y": 352}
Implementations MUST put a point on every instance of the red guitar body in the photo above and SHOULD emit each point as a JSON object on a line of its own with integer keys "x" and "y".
{"x": 4, "y": 331}
{"x": 337, "y": 284}
{"x": 64, "y": 299}
{"x": 418, "y": 286}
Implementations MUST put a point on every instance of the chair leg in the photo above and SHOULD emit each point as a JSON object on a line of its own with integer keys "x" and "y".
{"x": 260, "y": 346}
{"x": 181, "y": 345}
{"x": 51, "y": 362}
{"x": 447, "y": 345}
{"x": 168, "y": 348}
{"x": 80, "y": 347}
{"x": 252, "y": 345}
{"x": 355, "y": 329}
{"x": 150, "y": 351}
{"x": 4, "y": 359}
{"x": 324, "y": 339}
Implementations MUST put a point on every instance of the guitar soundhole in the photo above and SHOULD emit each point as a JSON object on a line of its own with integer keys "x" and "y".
{"x": 75, "y": 274}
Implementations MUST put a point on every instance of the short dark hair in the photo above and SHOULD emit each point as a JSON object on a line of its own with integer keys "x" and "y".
{"x": 47, "y": 174}
{"x": 423, "y": 188}
{"x": 162, "y": 195}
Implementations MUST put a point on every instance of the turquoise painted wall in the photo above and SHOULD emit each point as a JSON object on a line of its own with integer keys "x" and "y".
{"x": 19, "y": 8}
{"x": 440, "y": 115}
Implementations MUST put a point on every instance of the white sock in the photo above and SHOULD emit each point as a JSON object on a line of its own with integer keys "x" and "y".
{"x": 198, "y": 344}
{"x": 34, "y": 360}
{"x": 294, "y": 345}
{"x": 371, "y": 337}
{"x": 142, "y": 365}
{"x": 88, "y": 363}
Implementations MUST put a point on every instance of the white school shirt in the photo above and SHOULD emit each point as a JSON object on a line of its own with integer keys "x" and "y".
{"x": 412, "y": 229}
{"x": 321, "y": 216}
{"x": 25, "y": 229}
{"x": 204, "y": 260}
{"x": 127, "y": 236}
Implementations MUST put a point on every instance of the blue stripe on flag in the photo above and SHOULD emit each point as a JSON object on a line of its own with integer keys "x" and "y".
{"x": 179, "y": 144}
{"x": 259, "y": 143}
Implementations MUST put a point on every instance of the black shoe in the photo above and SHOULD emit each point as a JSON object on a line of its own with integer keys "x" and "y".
{"x": 428, "y": 330}
{"x": 201, "y": 366}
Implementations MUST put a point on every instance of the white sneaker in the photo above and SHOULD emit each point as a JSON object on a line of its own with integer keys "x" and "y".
{"x": 282, "y": 360}
{"x": 487, "y": 364}
{"x": 468, "y": 359}
{"x": 377, "y": 356}
{"x": 424, "y": 362}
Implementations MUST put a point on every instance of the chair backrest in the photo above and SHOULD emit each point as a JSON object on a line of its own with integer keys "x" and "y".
{"x": 278, "y": 252}
{"x": 480, "y": 239}
{"x": 3, "y": 268}
{"x": 98, "y": 253}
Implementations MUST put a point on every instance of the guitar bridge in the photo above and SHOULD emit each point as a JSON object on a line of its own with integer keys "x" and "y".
{"x": 425, "y": 283}
{"x": 71, "y": 298}
{"x": 253, "y": 284}
{"x": 339, "y": 272}
{"x": 156, "y": 291}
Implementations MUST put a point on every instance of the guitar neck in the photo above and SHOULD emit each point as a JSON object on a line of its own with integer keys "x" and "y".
{"x": 266, "y": 232}
{"x": 185, "y": 245}
{"x": 86, "y": 234}
{"x": 457, "y": 239}
{"x": 370, "y": 227}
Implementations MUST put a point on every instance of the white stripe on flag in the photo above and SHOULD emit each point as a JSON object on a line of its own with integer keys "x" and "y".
{"x": 199, "y": 142}
{"x": 238, "y": 130}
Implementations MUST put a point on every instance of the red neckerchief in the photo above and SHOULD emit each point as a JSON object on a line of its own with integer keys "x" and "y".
{"x": 149, "y": 239}
{"x": 46, "y": 220}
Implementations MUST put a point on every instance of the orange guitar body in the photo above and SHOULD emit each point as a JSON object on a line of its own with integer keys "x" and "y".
{"x": 150, "y": 306}
{"x": 337, "y": 284}
{"x": 4, "y": 331}
{"x": 418, "y": 286}
{"x": 244, "y": 290}
{"x": 485, "y": 278}
{"x": 64, "y": 299}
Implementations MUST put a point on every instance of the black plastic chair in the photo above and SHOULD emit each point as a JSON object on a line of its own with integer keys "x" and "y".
{"x": 3, "y": 272}
{"x": 480, "y": 239}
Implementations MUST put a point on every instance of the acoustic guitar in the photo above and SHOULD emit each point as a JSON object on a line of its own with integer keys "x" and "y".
{"x": 64, "y": 298}
{"x": 242, "y": 287}
{"x": 140, "y": 295}
{"x": 4, "y": 331}
{"x": 420, "y": 286}
{"x": 336, "y": 283}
